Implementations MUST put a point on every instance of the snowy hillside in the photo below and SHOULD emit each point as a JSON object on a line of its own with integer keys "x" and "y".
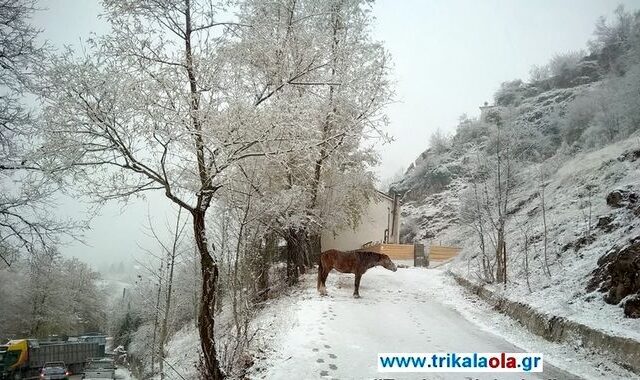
{"x": 581, "y": 227}
{"x": 432, "y": 184}
{"x": 573, "y": 253}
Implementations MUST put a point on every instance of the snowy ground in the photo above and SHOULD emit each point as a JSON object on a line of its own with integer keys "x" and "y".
{"x": 412, "y": 310}
{"x": 124, "y": 374}
{"x": 121, "y": 374}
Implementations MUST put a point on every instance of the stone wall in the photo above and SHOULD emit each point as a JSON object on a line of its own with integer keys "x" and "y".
{"x": 623, "y": 351}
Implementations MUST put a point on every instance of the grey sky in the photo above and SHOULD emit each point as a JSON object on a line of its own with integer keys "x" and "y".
{"x": 449, "y": 57}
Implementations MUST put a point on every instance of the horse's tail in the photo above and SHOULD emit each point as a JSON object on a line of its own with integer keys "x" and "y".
{"x": 319, "y": 271}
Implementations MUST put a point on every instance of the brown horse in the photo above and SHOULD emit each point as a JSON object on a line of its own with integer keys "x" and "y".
{"x": 356, "y": 262}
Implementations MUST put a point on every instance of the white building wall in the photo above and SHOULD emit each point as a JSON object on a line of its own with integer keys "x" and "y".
{"x": 373, "y": 223}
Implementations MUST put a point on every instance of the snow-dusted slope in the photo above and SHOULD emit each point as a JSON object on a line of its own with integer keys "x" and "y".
{"x": 575, "y": 193}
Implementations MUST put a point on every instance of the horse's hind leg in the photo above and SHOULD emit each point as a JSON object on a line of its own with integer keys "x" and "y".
{"x": 323, "y": 272}
{"x": 356, "y": 294}
{"x": 323, "y": 279}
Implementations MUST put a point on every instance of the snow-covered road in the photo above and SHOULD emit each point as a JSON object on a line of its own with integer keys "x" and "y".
{"x": 339, "y": 336}
{"x": 121, "y": 374}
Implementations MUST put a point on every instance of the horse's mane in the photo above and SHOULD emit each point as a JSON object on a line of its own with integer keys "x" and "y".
{"x": 369, "y": 253}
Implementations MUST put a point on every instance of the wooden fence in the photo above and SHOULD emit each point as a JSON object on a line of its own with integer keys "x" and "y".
{"x": 394, "y": 251}
{"x": 442, "y": 253}
{"x": 436, "y": 253}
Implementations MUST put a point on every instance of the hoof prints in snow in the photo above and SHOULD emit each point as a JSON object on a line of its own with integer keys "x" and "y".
{"x": 324, "y": 356}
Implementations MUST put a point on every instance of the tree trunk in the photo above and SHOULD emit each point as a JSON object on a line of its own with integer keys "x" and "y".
{"x": 487, "y": 272}
{"x": 547, "y": 271}
{"x": 297, "y": 254}
{"x": 292, "y": 251}
{"x": 167, "y": 304}
{"x": 500, "y": 262}
{"x": 263, "y": 266}
{"x": 526, "y": 261}
{"x": 315, "y": 249}
{"x": 206, "y": 318}
{"x": 155, "y": 320}
{"x": 504, "y": 261}
{"x": 196, "y": 293}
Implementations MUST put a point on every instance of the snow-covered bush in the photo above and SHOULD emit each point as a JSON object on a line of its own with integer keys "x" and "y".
{"x": 539, "y": 73}
{"x": 579, "y": 116}
{"x": 510, "y": 93}
{"x": 609, "y": 112}
{"x": 470, "y": 131}
{"x": 563, "y": 67}
{"x": 439, "y": 142}
{"x": 627, "y": 99}
{"x": 615, "y": 43}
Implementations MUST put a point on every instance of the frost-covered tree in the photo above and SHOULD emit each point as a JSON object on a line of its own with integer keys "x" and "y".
{"x": 539, "y": 73}
{"x": 605, "y": 113}
{"x": 335, "y": 118}
{"x": 162, "y": 298}
{"x": 562, "y": 64}
{"x": 628, "y": 97}
{"x": 498, "y": 166}
{"x": 50, "y": 295}
{"x": 615, "y": 42}
{"x": 351, "y": 111}
{"x": 578, "y": 117}
{"x": 607, "y": 121}
{"x": 27, "y": 222}
{"x": 439, "y": 142}
{"x": 473, "y": 212}
{"x": 176, "y": 100}
{"x": 20, "y": 53}
{"x": 155, "y": 105}
{"x": 510, "y": 93}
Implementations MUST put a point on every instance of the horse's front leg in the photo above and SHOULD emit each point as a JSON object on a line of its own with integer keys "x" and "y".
{"x": 356, "y": 294}
{"x": 322, "y": 279}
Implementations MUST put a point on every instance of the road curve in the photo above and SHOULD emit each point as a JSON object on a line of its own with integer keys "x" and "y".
{"x": 339, "y": 337}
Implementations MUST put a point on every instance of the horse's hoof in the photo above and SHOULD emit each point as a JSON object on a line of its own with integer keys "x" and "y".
{"x": 356, "y": 296}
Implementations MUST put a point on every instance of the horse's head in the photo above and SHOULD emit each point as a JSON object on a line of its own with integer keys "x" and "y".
{"x": 386, "y": 262}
